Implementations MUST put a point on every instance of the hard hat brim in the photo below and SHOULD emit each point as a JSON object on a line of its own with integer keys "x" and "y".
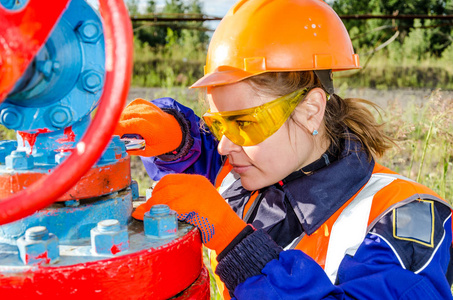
{"x": 223, "y": 76}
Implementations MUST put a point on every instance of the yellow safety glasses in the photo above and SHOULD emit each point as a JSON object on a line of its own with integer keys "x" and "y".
{"x": 251, "y": 126}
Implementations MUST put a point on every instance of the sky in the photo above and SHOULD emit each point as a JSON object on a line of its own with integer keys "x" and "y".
{"x": 215, "y": 8}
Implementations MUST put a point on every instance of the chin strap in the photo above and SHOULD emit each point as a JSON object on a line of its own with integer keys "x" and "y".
{"x": 326, "y": 78}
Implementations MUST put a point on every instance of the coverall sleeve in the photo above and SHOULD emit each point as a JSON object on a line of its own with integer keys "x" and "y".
{"x": 377, "y": 271}
{"x": 200, "y": 154}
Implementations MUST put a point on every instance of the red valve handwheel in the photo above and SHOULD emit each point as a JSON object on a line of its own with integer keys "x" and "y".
{"x": 118, "y": 45}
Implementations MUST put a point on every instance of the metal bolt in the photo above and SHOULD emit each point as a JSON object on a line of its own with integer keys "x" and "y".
{"x": 36, "y": 233}
{"x": 109, "y": 225}
{"x": 56, "y": 66}
{"x": 92, "y": 81}
{"x": 19, "y": 160}
{"x": 90, "y": 31}
{"x": 60, "y": 116}
{"x": 38, "y": 246}
{"x": 45, "y": 67}
{"x": 160, "y": 222}
{"x": 159, "y": 210}
{"x": 11, "y": 118}
{"x": 109, "y": 238}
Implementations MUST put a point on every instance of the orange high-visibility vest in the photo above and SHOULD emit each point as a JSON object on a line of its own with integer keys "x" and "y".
{"x": 346, "y": 229}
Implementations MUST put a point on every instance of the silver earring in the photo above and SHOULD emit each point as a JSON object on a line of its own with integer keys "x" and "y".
{"x": 315, "y": 132}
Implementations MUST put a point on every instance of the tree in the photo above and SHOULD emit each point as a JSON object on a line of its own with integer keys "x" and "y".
{"x": 175, "y": 32}
{"x": 437, "y": 38}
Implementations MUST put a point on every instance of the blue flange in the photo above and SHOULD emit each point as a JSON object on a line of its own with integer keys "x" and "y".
{"x": 70, "y": 224}
{"x": 64, "y": 82}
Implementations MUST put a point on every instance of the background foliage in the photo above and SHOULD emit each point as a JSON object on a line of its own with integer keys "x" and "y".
{"x": 420, "y": 55}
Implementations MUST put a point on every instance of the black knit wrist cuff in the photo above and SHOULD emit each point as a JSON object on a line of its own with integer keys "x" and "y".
{"x": 247, "y": 259}
{"x": 187, "y": 140}
{"x": 243, "y": 234}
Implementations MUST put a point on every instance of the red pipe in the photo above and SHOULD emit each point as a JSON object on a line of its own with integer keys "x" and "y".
{"x": 118, "y": 74}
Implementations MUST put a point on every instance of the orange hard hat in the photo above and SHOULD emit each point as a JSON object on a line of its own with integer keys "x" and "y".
{"x": 259, "y": 36}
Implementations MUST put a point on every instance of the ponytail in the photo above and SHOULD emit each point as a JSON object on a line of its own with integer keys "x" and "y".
{"x": 350, "y": 119}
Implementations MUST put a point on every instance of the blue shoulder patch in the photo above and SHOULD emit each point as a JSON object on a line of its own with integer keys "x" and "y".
{"x": 414, "y": 230}
{"x": 415, "y": 222}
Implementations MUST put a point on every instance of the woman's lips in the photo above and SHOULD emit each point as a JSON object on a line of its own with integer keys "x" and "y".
{"x": 240, "y": 169}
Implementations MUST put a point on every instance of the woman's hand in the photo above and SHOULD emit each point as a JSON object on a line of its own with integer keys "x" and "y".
{"x": 197, "y": 202}
{"x": 161, "y": 131}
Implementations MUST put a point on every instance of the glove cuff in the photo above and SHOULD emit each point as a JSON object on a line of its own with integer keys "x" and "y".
{"x": 242, "y": 235}
{"x": 247, "y": 259}
{"x": 186, "y": 141}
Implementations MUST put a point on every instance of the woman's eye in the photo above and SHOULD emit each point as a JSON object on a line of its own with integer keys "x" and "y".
{"x": 243, "y": 124}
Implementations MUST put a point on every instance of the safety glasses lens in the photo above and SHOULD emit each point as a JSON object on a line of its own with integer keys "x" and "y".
{"x": 252, "y": 126}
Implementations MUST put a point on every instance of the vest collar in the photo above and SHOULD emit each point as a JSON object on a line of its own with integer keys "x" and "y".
{"x": 313, "y": 195}
{"x": 317, "y": 196}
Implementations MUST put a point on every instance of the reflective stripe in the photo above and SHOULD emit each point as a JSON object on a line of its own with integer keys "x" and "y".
{"x": 229, "y": 179}
{"x": 350, "y": 229}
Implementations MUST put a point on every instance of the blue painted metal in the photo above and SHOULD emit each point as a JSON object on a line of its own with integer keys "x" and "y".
{"x": 135, "y": 190}
{"x": 19, "y": 160}
{"x": 120, "y": 147}
{"x": 6, "y": 147}
{"x": 160, "y": 222}
{"x": 73, "y": 223}
{"x": 13, "y": 4}
{"x": 109, "y": 238}
{"x": 79, "y": 251}
{"x": 50, "y": 108}
{"x": 38, "y": 246}
{"x": 53, "y": 91}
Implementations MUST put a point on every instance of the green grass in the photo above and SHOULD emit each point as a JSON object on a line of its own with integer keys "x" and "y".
{"x": 424, "y": 141}
{"x": 181, "y": 64}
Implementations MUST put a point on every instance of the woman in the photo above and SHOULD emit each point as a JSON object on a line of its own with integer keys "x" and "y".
{"x": 308, "y": 213}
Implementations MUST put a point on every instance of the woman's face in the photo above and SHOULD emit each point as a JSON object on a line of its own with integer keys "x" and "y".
{"x": 287, "y": 150}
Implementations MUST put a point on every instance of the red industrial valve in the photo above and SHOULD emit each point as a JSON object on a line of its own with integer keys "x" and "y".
{"x": 24, "y": 32}
{"x": 34, "y": 262}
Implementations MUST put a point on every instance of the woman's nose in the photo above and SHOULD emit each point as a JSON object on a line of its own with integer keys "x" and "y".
{"x": 226, "y": 146}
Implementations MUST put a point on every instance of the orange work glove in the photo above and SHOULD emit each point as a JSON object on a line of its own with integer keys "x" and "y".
{"x": 197, "y": 202}
{"x": 161, "y": 131}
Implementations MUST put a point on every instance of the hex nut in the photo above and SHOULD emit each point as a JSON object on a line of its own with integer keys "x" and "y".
{"x": 19, "y": 160}
{"x": 90, "y": 31}
{"x": 41, "y": 250}
{"x": 109, "y": 240}
{"x": 160, "y": 222}
{"x": 91, "y": 81}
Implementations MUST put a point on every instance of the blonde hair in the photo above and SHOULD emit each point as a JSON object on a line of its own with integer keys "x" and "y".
{"x": 340, "y": 115}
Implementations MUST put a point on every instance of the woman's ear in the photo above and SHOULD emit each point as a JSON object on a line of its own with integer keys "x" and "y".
{"x": 313, "y": 108}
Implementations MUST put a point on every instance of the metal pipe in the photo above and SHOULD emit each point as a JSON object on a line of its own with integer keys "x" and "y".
{"x": 118, "y": 37}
